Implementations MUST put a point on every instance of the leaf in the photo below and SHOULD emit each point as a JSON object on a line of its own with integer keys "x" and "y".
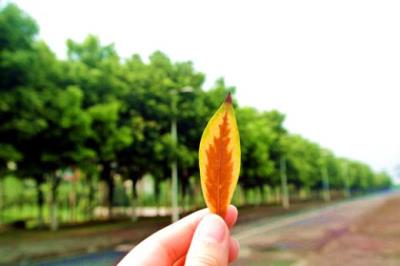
{"x": 219, "y": 158}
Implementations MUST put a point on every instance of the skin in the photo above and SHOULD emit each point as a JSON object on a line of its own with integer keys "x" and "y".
{"x": 200, "y": 238}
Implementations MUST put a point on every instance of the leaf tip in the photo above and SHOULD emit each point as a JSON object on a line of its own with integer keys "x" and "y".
{"x": 228, "y": 98}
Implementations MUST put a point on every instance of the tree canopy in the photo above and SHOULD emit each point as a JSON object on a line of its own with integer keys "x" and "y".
{"x": 95, "y": 110}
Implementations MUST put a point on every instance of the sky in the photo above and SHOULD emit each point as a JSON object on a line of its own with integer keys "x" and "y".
{"x": 333, "y": 67}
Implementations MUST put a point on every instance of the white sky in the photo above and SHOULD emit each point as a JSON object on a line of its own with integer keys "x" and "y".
{"x": 333, "y": 67}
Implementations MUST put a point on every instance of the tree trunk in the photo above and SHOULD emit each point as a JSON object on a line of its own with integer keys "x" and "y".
{"x": 247, "y": 196}
{"x": 134, "y": 199}
{"x": 262, "y": 193}
{"x": 73, "y": 200}
{"x": 53, "y": 202}
{"x": 184, "y": 189}
{"x": 40, "y": 200}
{"x": 157, "y": 193}
{"x": 2, "y": 199}
{"x": 90, "y": 196}
{"x": 106, "y": 175}
{"x": 157, "y": 190}
{"x": 53, "y": 213}
{"x": 277, "y": 194}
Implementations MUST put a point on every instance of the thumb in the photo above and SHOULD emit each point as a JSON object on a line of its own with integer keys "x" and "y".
{"x": 210, "y": 243}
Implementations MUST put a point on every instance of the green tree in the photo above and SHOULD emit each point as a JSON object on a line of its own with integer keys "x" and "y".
{"x": 257, "y": 136}
{"x": 17, "y": 32}
{"x": 97, "y": 70}
{"x": 42, "y": 124}
{"x": 154, "y": 89}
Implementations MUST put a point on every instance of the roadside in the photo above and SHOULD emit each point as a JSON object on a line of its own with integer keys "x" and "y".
{"x": 373, "y": 240}
{"x": 364, "y": 231}
{"x": 24, "y": 247}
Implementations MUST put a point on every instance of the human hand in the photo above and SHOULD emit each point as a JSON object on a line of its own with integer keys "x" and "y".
{"x": 199, "y": 239}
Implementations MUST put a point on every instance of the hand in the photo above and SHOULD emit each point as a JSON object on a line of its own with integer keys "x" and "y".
{"x": 198, "y": 239}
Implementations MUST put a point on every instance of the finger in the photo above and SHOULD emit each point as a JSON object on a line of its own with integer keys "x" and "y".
{"x": 172, "y": 242}
{"x": 180, "y": 262}
{"x": 210, "y": 243}
{"x": 167, "y": 245}
{"x": 230, "y": 219}
{"x": 233, "y": 252}
{"x": 231, "y": 216}
{"x": 233, "y": 249}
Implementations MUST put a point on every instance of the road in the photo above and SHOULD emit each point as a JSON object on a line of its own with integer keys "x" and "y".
{"x": 364, "y": 231}
{"x": 334, "y": 235}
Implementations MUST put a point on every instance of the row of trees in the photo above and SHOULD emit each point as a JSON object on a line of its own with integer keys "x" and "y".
{"x": 105, "y": 115}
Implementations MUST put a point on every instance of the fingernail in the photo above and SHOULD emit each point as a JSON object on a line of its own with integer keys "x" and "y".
{"x": 212, "y": 229}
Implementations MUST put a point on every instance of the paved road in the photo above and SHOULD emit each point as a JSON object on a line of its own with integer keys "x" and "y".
{"x": 290, "y": 240}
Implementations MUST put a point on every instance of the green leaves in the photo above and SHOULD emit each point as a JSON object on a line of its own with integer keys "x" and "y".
{"x": 94, "y": 108}
{"x": 107, "y": 136}
{"x": 17, "y": 30}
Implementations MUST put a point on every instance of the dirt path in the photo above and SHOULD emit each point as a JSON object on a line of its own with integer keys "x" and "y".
{"x": 361, "y": 232}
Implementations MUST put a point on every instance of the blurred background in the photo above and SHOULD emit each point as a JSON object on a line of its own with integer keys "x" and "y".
{"x": 100, "y": 101}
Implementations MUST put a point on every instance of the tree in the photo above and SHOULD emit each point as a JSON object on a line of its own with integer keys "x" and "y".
{"x": 105, "y": 115}
{"x": 97, "y": 70}
{"x": 17, "y": 32}
{"x": 42, "y": 123}
{"x": 256, "y": 140}
{"x": 153, "y": 88}
{"x": 303, "y": 164}
{"x": 17, "y": 29}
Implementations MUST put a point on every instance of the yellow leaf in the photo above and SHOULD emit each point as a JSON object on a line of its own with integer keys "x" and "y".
{"x": 219, "y": 158}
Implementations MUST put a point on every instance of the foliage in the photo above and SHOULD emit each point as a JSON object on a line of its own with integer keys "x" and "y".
{"x": 108, "y": 116}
